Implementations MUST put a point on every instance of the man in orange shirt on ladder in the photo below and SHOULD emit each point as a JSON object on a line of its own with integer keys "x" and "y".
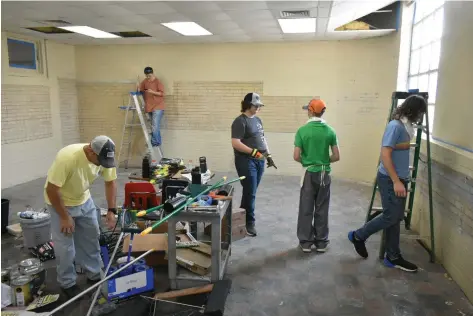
{"x": 153, "y": 95}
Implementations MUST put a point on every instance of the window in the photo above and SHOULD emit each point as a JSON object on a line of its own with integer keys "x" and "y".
{"x": 425, "y": 50}
{"x": 22, "y": 54}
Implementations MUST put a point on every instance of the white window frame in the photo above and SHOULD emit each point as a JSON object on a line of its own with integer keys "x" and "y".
{"x": 418, "y": 49}
{"x": 40, "y": 53}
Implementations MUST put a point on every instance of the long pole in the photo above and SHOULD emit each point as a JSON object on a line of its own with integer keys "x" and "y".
{"x": 189, "y": 201}
{"x": 143, "y": 213}
{"x": 96, "y": 295}
{"x": 75, "y": 298}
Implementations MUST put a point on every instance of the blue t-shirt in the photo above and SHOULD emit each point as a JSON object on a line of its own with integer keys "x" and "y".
{"x": 394, "y": 134}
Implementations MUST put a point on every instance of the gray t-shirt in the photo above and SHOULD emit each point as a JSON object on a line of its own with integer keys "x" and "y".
{"x": 250, "y": 131}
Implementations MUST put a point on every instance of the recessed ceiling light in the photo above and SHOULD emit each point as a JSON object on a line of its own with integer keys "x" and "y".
{"x": 187, "y": 28}
{"x": 305, "y": 25}
{"x": 89, "y": 31}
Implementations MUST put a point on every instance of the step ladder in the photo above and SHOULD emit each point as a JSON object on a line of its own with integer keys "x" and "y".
{"x": 136, "y": 107}
{"x": 374, "y": 211}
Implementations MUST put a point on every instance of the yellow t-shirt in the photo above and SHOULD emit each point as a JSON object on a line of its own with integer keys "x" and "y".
{"x": 74, "y": 173}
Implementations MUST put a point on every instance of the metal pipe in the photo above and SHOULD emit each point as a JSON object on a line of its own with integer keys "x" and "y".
{"x": 180, "y": 208}
{"x": 153, "y": 209}
{"x": 98, "y": 283}
{"x": 189, "y": 201}
{"x": 96, "y": 295}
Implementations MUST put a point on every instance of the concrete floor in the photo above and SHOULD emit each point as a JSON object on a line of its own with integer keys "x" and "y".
{"x": 272, "y": 277}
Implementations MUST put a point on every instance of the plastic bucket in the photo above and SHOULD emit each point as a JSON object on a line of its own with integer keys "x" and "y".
{"x": 36, "y": 231}
{"x": 5, "y": 214}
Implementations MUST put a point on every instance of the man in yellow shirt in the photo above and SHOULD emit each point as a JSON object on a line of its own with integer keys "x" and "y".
{"x": 74, "y": 223}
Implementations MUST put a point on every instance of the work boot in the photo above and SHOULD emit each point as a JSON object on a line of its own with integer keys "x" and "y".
{"x": 251, "y": 230}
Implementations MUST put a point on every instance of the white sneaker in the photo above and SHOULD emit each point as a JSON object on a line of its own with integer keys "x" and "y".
{"x": 305, "y": 249}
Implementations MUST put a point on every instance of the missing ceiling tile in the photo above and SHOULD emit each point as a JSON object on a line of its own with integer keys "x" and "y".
{"x": 48, "y": 30}
{"x": 131, "y": 34}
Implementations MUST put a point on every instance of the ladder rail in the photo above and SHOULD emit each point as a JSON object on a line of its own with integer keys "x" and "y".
{"x": 123, "y": 138}
{"x": 130, "y": 137}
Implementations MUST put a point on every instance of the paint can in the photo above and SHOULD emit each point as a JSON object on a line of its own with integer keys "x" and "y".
{"x": 6, "y": 277}
{"x": 34, "y": 269}
{"x": 21, "y": 290}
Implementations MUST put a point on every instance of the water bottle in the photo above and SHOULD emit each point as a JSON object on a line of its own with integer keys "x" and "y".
{"x": 145, "y": 168}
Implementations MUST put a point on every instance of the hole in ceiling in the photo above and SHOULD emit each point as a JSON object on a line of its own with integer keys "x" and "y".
{"x": 49, "y": 30}
{"x": 130, "y": 34}
{"x": 295, "y": 14}
{"x": 382, "y": 19}
{"x": 55, "y": 22}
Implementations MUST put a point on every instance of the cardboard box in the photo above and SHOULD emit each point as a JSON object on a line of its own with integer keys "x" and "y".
{"x": 238, "y": 225}
{"x": 194, "y": 259}
{"x": 144, "y": 243}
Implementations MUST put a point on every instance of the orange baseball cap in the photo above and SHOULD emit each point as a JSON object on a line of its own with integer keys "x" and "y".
{"x": 315, "y": 106}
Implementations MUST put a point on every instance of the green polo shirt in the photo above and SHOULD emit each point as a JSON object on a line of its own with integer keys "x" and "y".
{"x": 315, "y": 139}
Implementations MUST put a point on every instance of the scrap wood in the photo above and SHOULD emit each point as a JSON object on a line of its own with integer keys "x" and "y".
{"x": 185, "y": 292}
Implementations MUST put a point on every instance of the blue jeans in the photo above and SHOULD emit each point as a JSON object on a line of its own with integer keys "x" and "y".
{"x": 253, "y": 170}
{"x": 389, "y": 220}
{"x": 155, "y": 118}
{"x": 82, "y": 246}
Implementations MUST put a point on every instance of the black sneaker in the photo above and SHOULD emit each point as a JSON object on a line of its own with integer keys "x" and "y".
{"x": 400, "y": 263}
{"x": 360, "y": 246}
{"x": 250, "y": 230}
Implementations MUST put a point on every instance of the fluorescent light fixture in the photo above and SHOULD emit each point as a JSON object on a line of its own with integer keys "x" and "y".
{"x": 305, "y": 25}
{"x": 89, "y": 31}
{"x": 187, "y": 28}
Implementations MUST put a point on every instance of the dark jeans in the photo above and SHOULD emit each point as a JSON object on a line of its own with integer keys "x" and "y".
{"x": 389, "y": 220}
{"x": 253, "y": 170}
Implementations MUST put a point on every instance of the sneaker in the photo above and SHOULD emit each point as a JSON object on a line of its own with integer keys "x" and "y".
{"x": 250, "y": 230}
{"x": 72, "y": 291}
{"x": 322, "y": 247}
{"x": 360, "y": 246}
{"x": 400, "y": 263}
{"x": 305, "y": 248}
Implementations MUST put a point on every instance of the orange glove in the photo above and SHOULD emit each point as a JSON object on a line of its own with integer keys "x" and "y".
{"x": 256, "y": 154}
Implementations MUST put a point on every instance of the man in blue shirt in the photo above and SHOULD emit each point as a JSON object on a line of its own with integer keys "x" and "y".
{"x": 393, "y": 177}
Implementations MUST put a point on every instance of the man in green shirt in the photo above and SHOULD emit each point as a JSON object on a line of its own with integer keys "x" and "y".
{"x": 312, "y": 147}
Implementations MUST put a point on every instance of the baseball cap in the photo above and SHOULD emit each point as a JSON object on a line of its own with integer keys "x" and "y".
{"x": 148, "y": 70}
{"x": 104, "y": 147}
{"x": 315, "y": 105}
{"x": 253, "y": 98}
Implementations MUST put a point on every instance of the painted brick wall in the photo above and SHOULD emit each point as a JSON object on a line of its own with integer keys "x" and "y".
{"x": 69, "y": 111}
{"x": 453, "y": 219}
{"x": 26, "y": 113}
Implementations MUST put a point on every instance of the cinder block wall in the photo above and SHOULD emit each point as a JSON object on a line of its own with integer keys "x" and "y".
{"x": 38, "y": 112}
{"x": 205, "y": 84}
{"x": 452, "y": 168}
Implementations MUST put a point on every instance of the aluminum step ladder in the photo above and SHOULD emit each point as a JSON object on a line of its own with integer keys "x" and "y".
{"x": 136, "y": 107}
{"x": 374, "y": 211}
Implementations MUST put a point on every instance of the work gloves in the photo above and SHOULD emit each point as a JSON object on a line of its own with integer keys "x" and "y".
{"x": 270, "y": 161}
{"x": 256, "y": 154}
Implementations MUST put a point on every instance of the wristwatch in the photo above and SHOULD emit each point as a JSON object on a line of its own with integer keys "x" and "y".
{"x": 113, "y": 210}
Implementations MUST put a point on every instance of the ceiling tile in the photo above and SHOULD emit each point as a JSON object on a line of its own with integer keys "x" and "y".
{"x": 323, "y": 12}
{"x": 291, "y": 5}
{"x": 242, "y": 5}
{"x": 194, "y": 6}
{"x": 147, "y": 7}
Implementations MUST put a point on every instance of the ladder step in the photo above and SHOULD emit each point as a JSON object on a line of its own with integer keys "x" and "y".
{"x": 414, "y": 145}
{"x": 130, "y": 125}
{"x": 411, "y": 167}
{"x": 380, "y": 209}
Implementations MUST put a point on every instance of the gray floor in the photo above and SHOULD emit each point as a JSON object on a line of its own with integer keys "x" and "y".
{"x": 272, "y": 277}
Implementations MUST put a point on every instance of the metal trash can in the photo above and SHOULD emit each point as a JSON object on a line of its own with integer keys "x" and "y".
{"x": 5, "y": 214}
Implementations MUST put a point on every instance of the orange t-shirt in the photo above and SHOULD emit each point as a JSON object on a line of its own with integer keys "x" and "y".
{"x": 152, "y": 102}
